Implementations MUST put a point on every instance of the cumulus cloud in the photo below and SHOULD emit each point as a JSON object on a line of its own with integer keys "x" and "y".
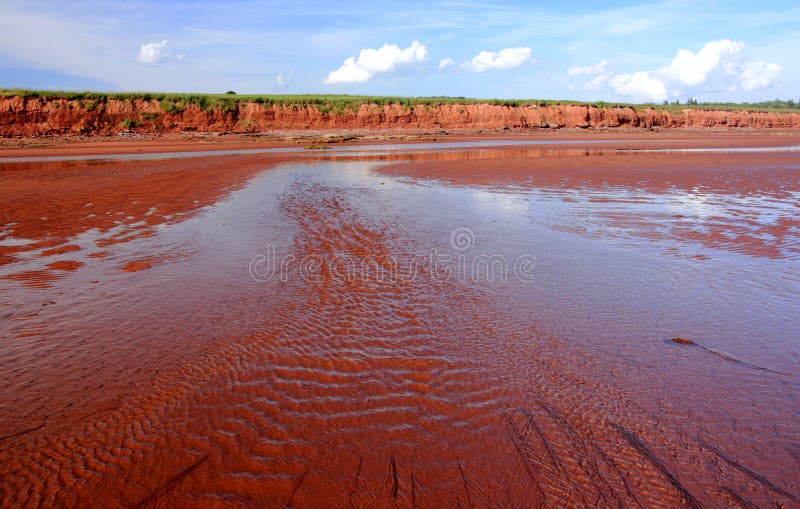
{"x": 689, "y": 68}
{"x": 716, "y": 66}
{"x": 759, "y": 74}
{"x": 446, "y": 62}
{"x": 153, "y": 52}
{"x": 639, "y": 84}
{"x": 507, "y": 58}
{"x": 589, "y": 69}
{"x": 370, "y": 62}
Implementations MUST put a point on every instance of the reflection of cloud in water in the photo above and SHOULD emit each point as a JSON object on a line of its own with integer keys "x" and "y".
{"x": 750, "y": 225}
{"x": 696, "y": 204}
{"x": 501, "y": 201}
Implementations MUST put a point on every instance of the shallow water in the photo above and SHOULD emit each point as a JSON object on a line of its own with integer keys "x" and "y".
{"x": 293, "y": 343}
{"x": 353, "y": 150}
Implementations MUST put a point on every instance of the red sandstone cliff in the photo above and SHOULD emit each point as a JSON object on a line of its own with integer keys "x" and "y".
{"x": 36, "y": 116}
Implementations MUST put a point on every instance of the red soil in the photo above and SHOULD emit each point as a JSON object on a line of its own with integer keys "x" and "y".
{"x": 60, "y": 250}
{"x": 569, "y": 168}
{"x": 759, "y": 175}
{"x": 137, "y": 265}
{"x": 198, "y": 142}
{"x": 54, "y": 202}
{"x": 67, "y": 265}
{"x": 203, "y": 388}
{"x": 35, "y": 116}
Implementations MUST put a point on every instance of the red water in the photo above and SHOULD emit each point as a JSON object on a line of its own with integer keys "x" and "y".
{"x": 152, "y": 358}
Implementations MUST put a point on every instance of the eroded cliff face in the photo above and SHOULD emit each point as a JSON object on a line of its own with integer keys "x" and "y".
{"x": 37, "y": 116}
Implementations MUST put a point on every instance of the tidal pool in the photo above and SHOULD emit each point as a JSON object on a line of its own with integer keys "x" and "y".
{"x": 477, "y": 326}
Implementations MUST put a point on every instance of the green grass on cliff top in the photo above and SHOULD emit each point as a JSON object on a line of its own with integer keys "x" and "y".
{"x": 339, "y": 103}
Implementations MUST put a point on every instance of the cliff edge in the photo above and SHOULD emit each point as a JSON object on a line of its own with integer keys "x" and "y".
{"x": 30, "y": 116}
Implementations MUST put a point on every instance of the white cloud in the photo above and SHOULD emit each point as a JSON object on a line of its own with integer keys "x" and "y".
{"x": 153, "y": 52}
{"x": 446, "y": 62}
{"x": 589, "y": 69}
{"x": 715, "y": 67}
{"x": 94, "y": 49}
{"x": 375, "y": 61}
{"x": 596, "y": 82}
{"x": 759, "y": 74}
{"x": 640, "y": 84}
{"x": 508, "y": 58}
{"x": 284, "y": 80}
{"x": 689, "y": 68}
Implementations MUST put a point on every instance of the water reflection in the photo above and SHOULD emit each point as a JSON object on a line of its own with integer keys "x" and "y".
{"x": 747, "y": 204}
{"x": 186, "y": 382}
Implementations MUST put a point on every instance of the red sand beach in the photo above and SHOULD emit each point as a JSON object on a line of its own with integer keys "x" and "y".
{"x": 604, "y": 320}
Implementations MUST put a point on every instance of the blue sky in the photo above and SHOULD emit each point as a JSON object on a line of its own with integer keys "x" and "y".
{"x": 582, "y": 50}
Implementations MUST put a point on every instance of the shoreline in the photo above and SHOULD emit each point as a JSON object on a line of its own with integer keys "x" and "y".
{"x": 145, "y": 344}
{"x": 68, "y": 145}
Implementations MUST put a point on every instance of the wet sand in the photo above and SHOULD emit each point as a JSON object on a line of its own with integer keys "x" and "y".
{"x": 603, "y": 326}
{"x": 143, "y": 143}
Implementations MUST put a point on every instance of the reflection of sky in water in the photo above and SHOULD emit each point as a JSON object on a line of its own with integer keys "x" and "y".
{"x": 352, "y": 150}
{"x": 504, "y": 202}
{"x": 695, "y": 203}
{"x": 792, "y": 148}
{"x": 14, "y": 242}
{"x": 751, "y": 225}
{"x": 620, "y": 260}
{"x": 371, "y": 150}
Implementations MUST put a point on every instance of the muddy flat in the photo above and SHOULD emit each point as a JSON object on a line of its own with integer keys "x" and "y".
{"x": 553, "y": 321}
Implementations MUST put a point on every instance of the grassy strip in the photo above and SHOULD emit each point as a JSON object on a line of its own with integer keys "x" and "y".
{"x": 176, "y": 102}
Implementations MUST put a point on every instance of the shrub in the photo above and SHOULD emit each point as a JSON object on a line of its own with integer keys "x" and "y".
{"x": 168, "y": 106}
{"x": 177, "y": 102}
